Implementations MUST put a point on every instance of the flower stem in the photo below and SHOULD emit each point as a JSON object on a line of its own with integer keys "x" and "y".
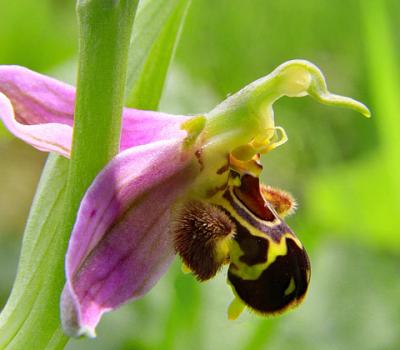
{"x": 105, "y": 29}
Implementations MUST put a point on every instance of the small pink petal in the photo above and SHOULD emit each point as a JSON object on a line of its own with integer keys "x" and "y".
{"x": 121, "y": 244}
{"x": 39, "y": 110}
{"x": 143, "y": 127}
{"x": 37, "y": 98}
{"x": 51, "y": 137}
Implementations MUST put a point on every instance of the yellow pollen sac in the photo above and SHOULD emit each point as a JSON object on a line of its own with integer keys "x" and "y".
{"x": 262, "y": 145}
{"x": 251, "y": 166}
{"x": 244, "y": 153}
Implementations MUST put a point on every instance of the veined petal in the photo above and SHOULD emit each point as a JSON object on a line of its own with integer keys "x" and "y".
{"x": 39, "y": 110}
{"x": 37, "y": 98}
{"x": 50, "y": 137}
{"x": 121, "y": 245}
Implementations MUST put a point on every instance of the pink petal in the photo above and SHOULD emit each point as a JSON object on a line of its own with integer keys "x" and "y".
{"x": 121, "y": 244}
{"x": 142, "y": 127}
{"x": 39, "y": 110}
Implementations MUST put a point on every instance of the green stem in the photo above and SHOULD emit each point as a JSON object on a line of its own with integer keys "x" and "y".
{"x": 105, "y": 28}
{"x": 31, "y": 319}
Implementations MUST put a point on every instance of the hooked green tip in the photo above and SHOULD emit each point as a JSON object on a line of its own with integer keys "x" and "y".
{"x": 341, "y": 101}
{"x": 319, "y": 90}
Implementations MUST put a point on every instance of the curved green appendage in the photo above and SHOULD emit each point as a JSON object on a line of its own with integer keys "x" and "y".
{"x": 248, "y": 115}
{"x": 319, "y": 91}
{"x": 244, "y": 123}
{"x": 298, "y": 78}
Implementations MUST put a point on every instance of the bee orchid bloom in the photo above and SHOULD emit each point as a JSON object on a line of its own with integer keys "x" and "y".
{"x": 180, "y": 184}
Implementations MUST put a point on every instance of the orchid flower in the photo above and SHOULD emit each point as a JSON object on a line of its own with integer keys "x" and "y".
{"x": 180, "y": 184}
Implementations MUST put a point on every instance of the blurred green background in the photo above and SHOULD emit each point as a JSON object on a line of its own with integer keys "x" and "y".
{"x": 343, "y": 169}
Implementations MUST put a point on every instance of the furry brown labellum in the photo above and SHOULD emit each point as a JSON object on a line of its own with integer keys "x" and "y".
{"x": 202, "y": 233}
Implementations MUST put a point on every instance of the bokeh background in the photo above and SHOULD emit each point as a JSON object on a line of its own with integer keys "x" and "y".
{"x": 343, "y": 169}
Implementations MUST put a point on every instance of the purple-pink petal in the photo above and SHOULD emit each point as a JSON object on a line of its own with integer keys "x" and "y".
{"x": 143, "y": 127}
{"x": 121, "y": 244}
{"x": 39, "y": 110}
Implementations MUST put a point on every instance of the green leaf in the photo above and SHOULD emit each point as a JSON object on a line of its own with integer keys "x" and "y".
{"x": 40, "y": 246}
{"x": 155, "y": 35}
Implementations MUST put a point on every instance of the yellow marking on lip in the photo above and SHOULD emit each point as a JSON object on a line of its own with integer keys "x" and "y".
{"x": 276, "y": 249}
{"x": 253, "y": 272}
{"x": 225, "y": 204}
{"x": 292, "y": 286}
{"x": 222, "y": 248}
